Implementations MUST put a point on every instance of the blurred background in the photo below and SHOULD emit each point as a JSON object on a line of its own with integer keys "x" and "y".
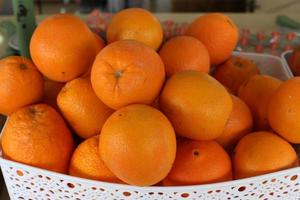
{"x": 86, "y": 6}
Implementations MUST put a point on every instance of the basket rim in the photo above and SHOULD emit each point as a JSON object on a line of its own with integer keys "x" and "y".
{"x": 283, "y": 57}
{"x": 74, "y": 179}
{"x": 280, "y": 59}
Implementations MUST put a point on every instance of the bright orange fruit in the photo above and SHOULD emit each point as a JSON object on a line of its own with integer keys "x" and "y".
{"x": 127, "y": 72}
{"x": 21, "y": 84}
{"x": 261, "y": 153}
{"x": 218, "y": 33}
{"x": 197, "y": 105}
{"x": 135, "y": 24}
{"x": 38, "y": 136}
{"x": 199, "y": 162}
{"x": 138, "y": 144}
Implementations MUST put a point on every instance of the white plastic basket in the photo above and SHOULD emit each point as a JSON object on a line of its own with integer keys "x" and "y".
{"x": 285, "y": 57}
{"x": 26, "y": 182}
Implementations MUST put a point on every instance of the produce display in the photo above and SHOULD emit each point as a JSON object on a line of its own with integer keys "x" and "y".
{"x": 135, "y": 110}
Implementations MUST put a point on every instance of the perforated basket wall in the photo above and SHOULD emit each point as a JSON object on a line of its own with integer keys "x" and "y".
{"x": 25, "y": 182}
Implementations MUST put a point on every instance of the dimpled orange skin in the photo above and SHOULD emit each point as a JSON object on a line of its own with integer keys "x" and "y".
{"x": 21, "y": 84}
{"x": 127, "y": 72}
{"x": 87, "y": 163}
{"x": 63, "y": 47}
{"x": 260, "y": 153}
{"x": 138, "y": 144}
{"x": 38, "y": 136}
{"x": 257, "y": 93}
{"x": 135, "y": 24}
{"x": 197, "y": 105}
{"x": 234, "y": 72}
{"x": 239, "y": 124}
{"x": 199, "y": 162}
{"x": 218, "y": 33}
{"x": 284, "y": 110}
{"x": 184, "y": 53}
{"x": 80, "y": 106}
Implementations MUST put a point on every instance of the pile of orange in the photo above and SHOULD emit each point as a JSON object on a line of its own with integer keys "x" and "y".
{"x": 148, "y": 112}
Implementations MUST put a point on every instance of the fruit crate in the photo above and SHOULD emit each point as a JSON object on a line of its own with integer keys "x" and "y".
{"x": 285, "y": 57}
{"x": 26, "y": 182}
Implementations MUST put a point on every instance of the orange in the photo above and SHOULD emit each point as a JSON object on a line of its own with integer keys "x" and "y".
{"x": 284, "y": 110}
{"x": 38, "y": 136}
{"x": 256, "y": 93}
{"x": 87, "y": 163}
{"x": 138, "y": 144}
{"x": 234, "y": 72}
{"x": 239, "y": 124}
{"x": 21, "y": 84}
{"x": 199, "y": 162}
{"x": 197, "y": 105}
{"x": 51, "y": 90}
{"x": 127, "y": 72}
{"x": 63, "y": 47}
{"x": 184, "y": 53}
{"x": 218, "y": 33}
{"x": 261, "y": 153}
{"x": 135, "y": 24}
{"x": 81, "y": 107}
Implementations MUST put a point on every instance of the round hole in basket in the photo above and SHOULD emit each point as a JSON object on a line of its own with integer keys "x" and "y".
{"x": 185, "y": 195}
{"x": 70, "y": 185}
{"x": 126, "y": 194}
{"x": 294, "y": 177}
{"x": 273, "y": 180}
{"x": 242, "y": 188}
{"x": 20, "y": 173}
